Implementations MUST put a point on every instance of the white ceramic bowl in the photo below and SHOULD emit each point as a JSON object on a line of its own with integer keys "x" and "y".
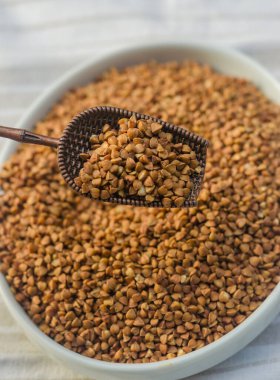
{"x": 228, "y": 62}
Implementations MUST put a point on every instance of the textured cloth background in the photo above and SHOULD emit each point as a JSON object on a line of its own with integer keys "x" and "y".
{"x": 41, "y": 39}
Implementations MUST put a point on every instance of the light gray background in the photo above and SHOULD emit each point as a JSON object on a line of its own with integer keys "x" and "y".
{"x": 41, "y": 39}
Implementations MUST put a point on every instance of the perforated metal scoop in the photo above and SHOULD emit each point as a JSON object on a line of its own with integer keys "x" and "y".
{"x": 76, "y": 140}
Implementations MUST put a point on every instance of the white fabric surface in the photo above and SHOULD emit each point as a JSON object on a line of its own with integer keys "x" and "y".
{"x": 41, "y": 39}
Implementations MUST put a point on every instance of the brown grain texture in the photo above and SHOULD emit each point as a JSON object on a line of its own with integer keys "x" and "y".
{"x": 128, "y": 284}
{"x": 136, "y": 158}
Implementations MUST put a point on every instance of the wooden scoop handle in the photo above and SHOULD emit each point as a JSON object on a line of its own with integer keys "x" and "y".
{"x": 21, "y": 135}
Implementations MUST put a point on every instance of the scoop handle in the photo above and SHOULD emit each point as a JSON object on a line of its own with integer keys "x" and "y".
{"x": 21, "y": 135}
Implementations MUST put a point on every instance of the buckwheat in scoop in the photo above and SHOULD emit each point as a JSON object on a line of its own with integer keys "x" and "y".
{"x": 138, "y": 160}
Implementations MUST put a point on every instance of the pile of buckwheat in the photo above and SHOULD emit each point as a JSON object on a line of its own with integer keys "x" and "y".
{"x": 138, "y": 159}
{"x": 133, "y": 285}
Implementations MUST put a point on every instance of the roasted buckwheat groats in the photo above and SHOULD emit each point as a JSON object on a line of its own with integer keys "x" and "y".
{"x": 127, "y": 284}
{"x": 138, "y": 159}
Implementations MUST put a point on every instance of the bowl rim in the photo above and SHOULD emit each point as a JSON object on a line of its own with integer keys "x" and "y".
{"x": 18, "y": 313}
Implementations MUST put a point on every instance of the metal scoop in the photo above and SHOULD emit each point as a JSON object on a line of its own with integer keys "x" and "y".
{"x": 76, "y": 140}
